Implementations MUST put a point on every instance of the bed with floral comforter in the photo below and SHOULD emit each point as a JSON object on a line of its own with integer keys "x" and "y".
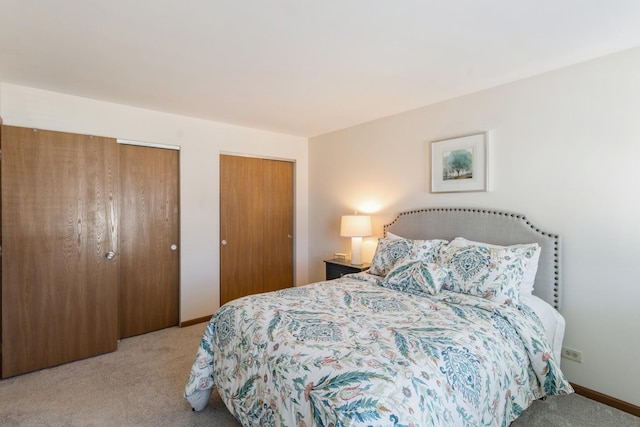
{"x": 352, "y": 352}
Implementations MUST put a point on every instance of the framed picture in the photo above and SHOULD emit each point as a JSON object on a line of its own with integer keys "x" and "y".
{"x": 460, "y": 164}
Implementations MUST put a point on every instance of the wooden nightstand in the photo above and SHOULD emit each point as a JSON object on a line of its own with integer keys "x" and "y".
{"x": 337, "y": 268}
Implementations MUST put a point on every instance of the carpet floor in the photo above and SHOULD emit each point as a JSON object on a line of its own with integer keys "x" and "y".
{"x": 141, "y": 384}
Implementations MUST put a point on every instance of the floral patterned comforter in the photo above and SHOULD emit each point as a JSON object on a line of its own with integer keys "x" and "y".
{"x": 350, "y": 352}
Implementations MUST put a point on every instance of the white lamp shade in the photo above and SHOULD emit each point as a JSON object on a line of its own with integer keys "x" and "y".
{"x": 355, "y": 226}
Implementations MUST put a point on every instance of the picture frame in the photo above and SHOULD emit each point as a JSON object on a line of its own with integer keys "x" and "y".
{"x": 460, "y": 164}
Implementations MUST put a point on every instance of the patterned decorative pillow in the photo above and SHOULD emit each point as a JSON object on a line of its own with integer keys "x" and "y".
{"x": 416, "y": 277}
{"x": 389, "y": 251}
{"x": 526, "y": 286}
{"x": 491, "y": 273}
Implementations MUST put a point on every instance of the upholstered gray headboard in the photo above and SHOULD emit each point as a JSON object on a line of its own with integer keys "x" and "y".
{"x": 490, "y": 226}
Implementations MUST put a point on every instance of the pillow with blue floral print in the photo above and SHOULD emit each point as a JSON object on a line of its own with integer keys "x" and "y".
{"x": 491, "y": 273}
{"x": 526, "y": 286}
{"x": 417, "y": 277}
{"x": 389, "y": 251}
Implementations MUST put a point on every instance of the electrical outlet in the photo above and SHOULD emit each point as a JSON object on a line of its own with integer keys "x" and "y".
{"x": 571, "y": 354}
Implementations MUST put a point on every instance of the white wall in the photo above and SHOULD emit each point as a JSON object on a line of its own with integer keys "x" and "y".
{"x": 201, "y": 143}
{"x": 564, "y": 151}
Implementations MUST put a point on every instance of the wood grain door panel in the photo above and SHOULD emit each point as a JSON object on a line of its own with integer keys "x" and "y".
{"x": 59, "y": 219}
{"x": 240, "y": 205}
{"x": 149, "y": 222}
{"x": 256, "y": 226}
{"x": 278, "y": 230}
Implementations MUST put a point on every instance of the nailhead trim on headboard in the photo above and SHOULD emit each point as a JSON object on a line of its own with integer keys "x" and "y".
{"x": 554, "y": 237}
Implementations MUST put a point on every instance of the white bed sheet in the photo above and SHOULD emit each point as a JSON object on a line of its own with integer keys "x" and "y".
{"x": 552, "y": 320}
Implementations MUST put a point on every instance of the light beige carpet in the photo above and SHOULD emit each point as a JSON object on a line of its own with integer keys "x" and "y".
{"x": 141, "y": 384}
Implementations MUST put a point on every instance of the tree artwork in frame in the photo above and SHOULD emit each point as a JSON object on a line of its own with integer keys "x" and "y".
{"x": 460, "y": 164}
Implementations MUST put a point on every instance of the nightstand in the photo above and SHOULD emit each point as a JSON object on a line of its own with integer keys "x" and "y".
{"x": 337, "y": 268}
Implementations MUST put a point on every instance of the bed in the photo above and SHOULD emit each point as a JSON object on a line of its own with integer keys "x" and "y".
{"x": 455, "y": 323}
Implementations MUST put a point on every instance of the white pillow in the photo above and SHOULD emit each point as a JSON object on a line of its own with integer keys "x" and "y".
{"x": 392, "y": 236}
{"x": 526, "y": 286}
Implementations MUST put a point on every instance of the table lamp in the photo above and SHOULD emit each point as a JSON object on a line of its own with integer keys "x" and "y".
{"x": 356, "y": 227}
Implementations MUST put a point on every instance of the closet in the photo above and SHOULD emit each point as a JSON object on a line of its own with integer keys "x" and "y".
{"x": 61, "y": 237}
{"x": 256, "y": 226}
{"x": 149, "y": 235}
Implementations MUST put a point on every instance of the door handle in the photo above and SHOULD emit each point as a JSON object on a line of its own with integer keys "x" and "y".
{"x": 110, "y": 255}
{"x": 224, "y": 243}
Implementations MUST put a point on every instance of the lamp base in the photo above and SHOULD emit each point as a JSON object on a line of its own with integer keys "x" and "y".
{"x": 356, "y": 250}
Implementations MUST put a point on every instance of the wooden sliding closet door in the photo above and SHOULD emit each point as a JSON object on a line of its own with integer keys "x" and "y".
{"x": 149, "y": 238}
{"x": 241, "y": 247}
{"x": 256, "y": 226}
{"x": 277, "y": 231}
{"x": 59, "y": 224}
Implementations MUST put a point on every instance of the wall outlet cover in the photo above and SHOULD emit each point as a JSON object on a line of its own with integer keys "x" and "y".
{"x": 571, "y": 354}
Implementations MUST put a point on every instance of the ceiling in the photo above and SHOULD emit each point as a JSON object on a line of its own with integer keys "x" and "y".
{"x": 299, "y": 67}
